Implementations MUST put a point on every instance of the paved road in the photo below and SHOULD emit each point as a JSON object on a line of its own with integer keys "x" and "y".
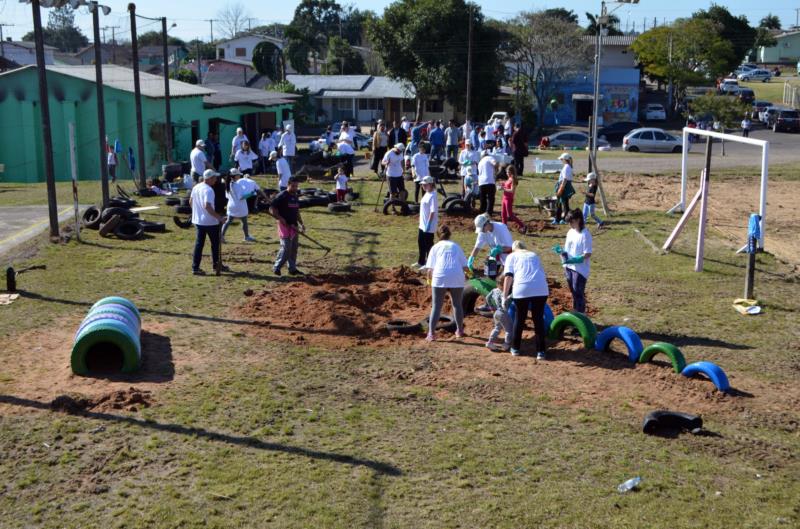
{"x": 21, "y": 223}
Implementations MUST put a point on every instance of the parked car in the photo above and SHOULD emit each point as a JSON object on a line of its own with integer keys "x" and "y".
{"x": 729, "y": 86}
{"x": 767, "y": 117}
{"x": 759, "y": 107}
{"x": 617, "y": 131}
{"x": 755, "y": 75}
{"x": 651, "y": 140}
{"x": 655, "y": 112}
{"x": 787, "y": 121}
{"x": 498, "y": 115}
{"x": 573, "y": 138}
{"x": 746, "y": 95}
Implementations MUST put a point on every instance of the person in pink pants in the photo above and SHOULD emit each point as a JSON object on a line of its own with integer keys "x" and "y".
{"x": 507, "y": 209}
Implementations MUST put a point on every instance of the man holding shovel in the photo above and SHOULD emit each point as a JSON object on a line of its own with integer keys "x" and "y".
{"x": 286, "y": 210}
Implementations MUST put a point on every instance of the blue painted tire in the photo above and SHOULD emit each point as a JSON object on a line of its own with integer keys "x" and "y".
{"x": 110, "y": 322}
{"x": 628, "y": 337}
{"x": 120, "y": 301}
{"x": 105, "y": 334}
{"x": 116, "y": 323}
{"x": 119, "y": 310}
{"x": 548, "y": 316}
{"x": 712, "y": 371}
{"x": 98, "y": 319}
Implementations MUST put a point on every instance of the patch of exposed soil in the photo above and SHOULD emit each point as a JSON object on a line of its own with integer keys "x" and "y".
{"x": 131, "y": 399}
{"x": 458, "y": 223}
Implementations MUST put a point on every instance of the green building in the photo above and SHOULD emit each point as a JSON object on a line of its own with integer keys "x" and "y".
{"x": 196, "y": 110}
{"x": 785, "y": 51}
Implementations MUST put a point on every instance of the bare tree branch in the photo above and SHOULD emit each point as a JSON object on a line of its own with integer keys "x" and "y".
{"x": 232, "y": 19}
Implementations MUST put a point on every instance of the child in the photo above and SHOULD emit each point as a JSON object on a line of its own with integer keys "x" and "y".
{"x": 237, "y": 204}
{"x": 575, "y": 258}
{"x": 501, "y": 317}
{"x": 244, "y": 158}
{"x": 341, "y": 185}
{"x": 470, "y": 184}
{"x": 420, "y": 168}
{"x": 589, "y": 202}
{"x": 507, "y": 210}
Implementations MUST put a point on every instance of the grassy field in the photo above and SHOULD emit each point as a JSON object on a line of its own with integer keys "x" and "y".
{"x": 250, "y": 429}
{"x": 771, "y": 91}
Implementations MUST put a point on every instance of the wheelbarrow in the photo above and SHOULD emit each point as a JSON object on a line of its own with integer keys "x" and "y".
{"x": 547, "y": 204}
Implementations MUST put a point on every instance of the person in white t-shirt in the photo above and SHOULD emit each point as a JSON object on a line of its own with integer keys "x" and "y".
{"x": 420, "y": 168}
{"x": 237, "y": 191}
{"x": 206, "y": 221}
{"x": 428, "y": 219}
{"x": 575, "y": 258}
{"x": 284, "y": 171}
{"x": 236, "y": 142}
{"x": 487, "y": 168}
{"x": 244, "y": 158}
{"x": 445, "y": 267}
{"x": 288, "y": 144}
{"x": 492, "y": 235}
{"x": 111, "y": 161}
{"x": 346, "y": 152}
{"x": 405, "y": 124}
{"x": 564, "y": 189}
{"x": 393, "y": 161}
{"x": 265, "y": 146}
{"x": 341, "y": 185}
{"x": 526, "y": 283}
{"x": 468, "y": 158}
{"x": 199, "y": 161}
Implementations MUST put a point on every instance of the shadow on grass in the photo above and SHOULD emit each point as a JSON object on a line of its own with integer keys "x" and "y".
{"x": 157, "y": 363}
{"x": 377, "y": 466}
{"x": 226, "y": 255}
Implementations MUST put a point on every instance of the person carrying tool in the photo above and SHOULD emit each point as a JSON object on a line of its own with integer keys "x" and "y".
{"x": 589, "y": 201}
{"x": 494, "y": 235}
{"x": 286, "y": 209}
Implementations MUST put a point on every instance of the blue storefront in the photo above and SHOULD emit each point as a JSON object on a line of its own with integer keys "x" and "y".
{"x": 619, "y": 99}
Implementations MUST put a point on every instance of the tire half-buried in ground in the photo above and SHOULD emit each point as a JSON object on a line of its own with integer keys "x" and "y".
{"x": 403, "y": 327}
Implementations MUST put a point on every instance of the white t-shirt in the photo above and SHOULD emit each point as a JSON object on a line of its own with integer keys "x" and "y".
{"x": 237, "y": 205}
{"x": 529, "y": 276}
{"x": 345, "y": 148}
{"x": 566, "y": 173}
{"x": 247, "y": 185}
{"x": 202, "y": 194}
{"x": 289, "y": 143}
{"x": 245, "y": 159}
{"x": 468, "y": 155}
{"x": 394, "y": 161}
{"x": 405, "y": 125}
{"x": 237, "y": 140}
{"x": 486, "y": 171}
{"x": 579, "y": 243}
{"x": 284, "y": 172}
{"x": 428, "y": 205}
{"x": 447, "y": 261}
{"x": 198, "y": 159}
{"x": 500, "y": 235}
{"x": 345, "y": 135}
{"x": 420, "y": 164}
{"x": 341, "y": 182}
{"x": 266, "y": 146}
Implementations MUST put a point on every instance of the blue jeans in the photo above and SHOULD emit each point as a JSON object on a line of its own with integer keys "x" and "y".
{"x": 230, "y": 220}
{"x": 588, "y": 211}
{"x": 577, "y": 285}
{"x": 213, "y": 234}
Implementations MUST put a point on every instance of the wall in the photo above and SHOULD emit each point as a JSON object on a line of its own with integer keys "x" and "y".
{"x": 25, "y": 56}
{"x": 787, "y": 50}
{"x": 619, "y": 89}
{"x": 618, "y": 57}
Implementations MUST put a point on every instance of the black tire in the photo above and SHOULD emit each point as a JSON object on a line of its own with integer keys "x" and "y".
{"x": 448, "y": 201}
{"x": 121, "y": 192}
{"x": 403, "y": 327}
{"x": 353, "y": 195}
{"x": 633, "y": 148}
{"x": 413, "y": 208}
{"x": 458, "y": 207}
{"x": 658, "y": 421}
{"x": 469, "y": 298}
{"x": 154, "y": 227}
{"x": 182, "y": 224}
{"x": 339, "y": 207}
{"x": 183, "y": 210}
{"x": 453, "y": 195}
{"x": 308, "y": 191}
{"x": 185, "y": 201}
{"x": 109, "y": 226}
{"x": 121, "y": 202}
{"x": 129, "y": 230}
{"x": 122, "y": 212}
{"x": 312, "y": 201}
{"x": 270, "y": 191}
{"x": 677, "y": 149}
{"x": 389, "y": 206}
{"x": 172, "y": 201}
{"x": 91, "y": 218}
{"x": 446, "y": 323}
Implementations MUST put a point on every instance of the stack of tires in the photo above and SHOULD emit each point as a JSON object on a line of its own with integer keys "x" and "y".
{"x": 108, "y": 339}
{"x": 118, "y": 220}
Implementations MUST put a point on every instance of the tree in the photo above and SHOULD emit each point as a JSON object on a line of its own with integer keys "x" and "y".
{"x": 567, "y": 15}
{"x": 770, "y": 22}
{"x": 735, "y": 30}
{"x": 153, "y": 38}
{"x": 726, "y": 110}
{"x": 431, "y": 56}
{"x": 185, "y": 75}
{"x": 303, "y": 107}
{"x": 343, "y": 58}
{"x": 550, "y": 53}
{"x": 764, "y": 38}
{"x": 308, "y": 31}
{"x": 612, "y": 26}
{"x": 699, "y": 54}
{"x": 268, "y": 60}
{"x": 61, "y": 31}
{"x": 354, "y": 22}
{"x": 233, "y": 19}
{"x": 207, "y": 50}
{"x": 275, "y": 29}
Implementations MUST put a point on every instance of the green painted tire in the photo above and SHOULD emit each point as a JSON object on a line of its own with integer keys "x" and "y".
{"x": 119, "y": 310}
{"x": 483, "y": 285}
{"x": 120, "y": 301}
{"x": 112, "y": 321}
{"x": 574, "y": 319}
{"x": 105, "y": 333}
{"x": 674, "y": 354}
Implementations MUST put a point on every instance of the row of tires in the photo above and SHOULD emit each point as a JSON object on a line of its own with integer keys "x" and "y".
{"x": 120, "y": 222}
{"x": 109, "y": 338}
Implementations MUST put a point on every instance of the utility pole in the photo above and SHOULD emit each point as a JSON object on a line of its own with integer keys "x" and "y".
{"x": 469, "y": 66}
{"x": 249, "y": 27}
{"x": 103, "y": 29}
{"x": 167, "y": 109}
{"x": 211, "y": 22}
{"x": 101, "y": 110}
{"x": 669, "y": 89}
{"x": 44, "y": 104}
{"x": 797, "y": 17}
{"x": 199, "y": 62}
{"x": 137, "y": 97}
{"x": 341, "y": 59}
{"x": 2, "y": 39}
{"x": 113, "y": 43}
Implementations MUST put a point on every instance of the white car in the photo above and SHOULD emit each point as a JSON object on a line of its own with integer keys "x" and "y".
{"x": 574, "y": 138}
{"x": 756, "y": 75}
{"x": 729, "y": 86}
{"x": 498, "y": 115}
{"x": 655, "y": 112}
{"x": 651, "y": 140}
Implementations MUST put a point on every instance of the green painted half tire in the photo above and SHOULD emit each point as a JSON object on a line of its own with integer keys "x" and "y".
{"x": 119, "y": 310}
{"x": 580, "y": 321}
{"x": 674, "y": 354}
{"x": 120, "y": 301}
{"x": 105, "y": 334}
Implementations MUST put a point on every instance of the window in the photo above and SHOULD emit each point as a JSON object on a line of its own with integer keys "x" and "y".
{"x": 409, "y": 105}
{"x": 660, "y": 136}
{"x": 646, "y": 135}
{"x": 370, "y": 104}
{"x": 241, "y": 52}
{"x": 434, "y": 105}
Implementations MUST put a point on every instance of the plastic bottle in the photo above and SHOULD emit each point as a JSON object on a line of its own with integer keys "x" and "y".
{"x": 629, "y": 485}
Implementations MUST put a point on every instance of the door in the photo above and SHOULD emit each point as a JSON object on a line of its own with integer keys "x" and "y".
{"x": 646, "y": 141}
{"x": 661, "y": 142}
{"x": 583, "y": 110}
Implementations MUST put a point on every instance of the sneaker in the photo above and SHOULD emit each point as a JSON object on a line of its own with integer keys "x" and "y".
{"x": 460, "y": 334}
{"x": 561, "y": 222}
{"x": 222, "y": 240}
{"x": 430, "y": 338}
{"x": 276, "y": 271}
{"x": 515, "y": 352}
{"x": 223, "y": 268}
{"x": 490, "y": 345}
{"x": 415, "y": 265}
{"x": 249, "y": 239}
{"x": 198, "y": 272}
{"x": 296, "y": 272}
{"x": 505, "y": 347}
{"x": 555, "y": 221}
{"x": 540, "y": 356}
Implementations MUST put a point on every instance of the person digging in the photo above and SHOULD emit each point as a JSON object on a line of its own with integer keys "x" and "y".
{"x": 286, "y": 210}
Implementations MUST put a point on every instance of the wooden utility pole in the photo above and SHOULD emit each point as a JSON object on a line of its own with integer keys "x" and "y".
{"x": 167, "y": 107}
{"x": 137, "y": 97}
{"x": 101, "y": 107}
{"x": 469, "y": 66}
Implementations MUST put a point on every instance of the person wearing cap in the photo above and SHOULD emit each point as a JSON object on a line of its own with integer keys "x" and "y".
{"x": 348, "y": 134}
{"x": 206, "y": 221}
{"x": 265, "y": 146}
{"x": 284, "y": 171}
{"x": 526, "y": 284}
{"x": 288, "y": 144}
{"x": 380, "y": 144}
{"x": 393, "y": 161}
{"x": 589, "y": 201}
{"x": 285, "y": 207}
{"x": 575, "y": 258}
{"x": 237, "y": 191}
{"x": 199, "y": 161}
{"x": 428, "y": 219}
{"x": 486, "y": 182}
{"x": 420, "y": 168}
{"x": 236, "y": 142}
{"x": 445, "y": 269}
{"x": 405, "y": 124}
{"x": 492, "y": 235}
{"x": 564, "y": 189}
{"x": 452, "y": 138}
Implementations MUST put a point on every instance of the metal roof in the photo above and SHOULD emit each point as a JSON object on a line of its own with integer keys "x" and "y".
{"x": 226, "y": 95}
{"x": 27, "y": 44}
{"x": 612, "y": 40}
{"x": 352, "y": 86}
{"x": 121, "y": 78}
{"x": 318, "y": 83}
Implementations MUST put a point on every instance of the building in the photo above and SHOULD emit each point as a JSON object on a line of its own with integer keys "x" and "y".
{"x": 109, "y": 54}
{"x": 195, "y": 110}
{"x": 151, "y": 58}
{"x": 23, "y": 52}
{"x": 367, "y": 98}
{"x": 233, "y": 72}
{"x": 787, "y": 49}
{"x": 241, "y": 48}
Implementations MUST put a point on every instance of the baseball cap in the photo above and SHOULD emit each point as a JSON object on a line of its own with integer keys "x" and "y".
{"x": 199, "y": 143}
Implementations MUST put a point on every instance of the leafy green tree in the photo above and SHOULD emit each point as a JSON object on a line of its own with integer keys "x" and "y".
{"x": 567, "y": 15}
{"x": 303, "y": 108}
{"x": 735, "y": 30}
{"x": 612, "y": 26}
{"x": 726, "y": 110}
{"x": 770, "y": 22}
{"x": 185, "y": 75}
{"x": 343, "y": 58}
{"x": 207, "y": 50}
{"x": 268, "y": 60}
{"x": 275, "y": 29}
{"x": 61, "y": 31}
{"x": 308, "y": 31}
{"x": 153, "y": 38}
{"x": 764, "y": 39}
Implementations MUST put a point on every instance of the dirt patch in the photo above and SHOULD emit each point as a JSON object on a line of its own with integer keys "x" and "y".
{"x": 459, "y": 223}
{"x": 131, "y": 399}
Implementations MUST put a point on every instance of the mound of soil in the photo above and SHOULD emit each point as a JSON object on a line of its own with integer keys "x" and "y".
{"x": 459, "y": 223}
{"x": 130, "y": 399}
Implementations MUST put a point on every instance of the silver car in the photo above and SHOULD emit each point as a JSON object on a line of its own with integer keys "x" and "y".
{"x": 756, "y": 75}
{"x": 651, "y": 140}
{"x": 573, "y": 138}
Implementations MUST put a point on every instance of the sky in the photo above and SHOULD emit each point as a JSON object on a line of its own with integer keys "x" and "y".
{"x": 191, "y": 15}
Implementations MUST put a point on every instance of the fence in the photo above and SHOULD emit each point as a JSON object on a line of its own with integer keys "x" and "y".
{"x": 791, "y": 95}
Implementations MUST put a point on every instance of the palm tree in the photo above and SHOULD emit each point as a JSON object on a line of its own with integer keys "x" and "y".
{"x": 612, "y": 25}
{"x": 770, "y": 22}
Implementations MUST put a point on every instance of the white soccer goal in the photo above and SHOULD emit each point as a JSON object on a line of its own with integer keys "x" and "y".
{"x": 702, "y": 193}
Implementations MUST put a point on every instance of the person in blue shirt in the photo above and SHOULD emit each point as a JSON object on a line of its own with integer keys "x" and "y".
{"x": 436, "y": 138}
{"x": 417, "y": 136}
{"x": 475, "y": 137}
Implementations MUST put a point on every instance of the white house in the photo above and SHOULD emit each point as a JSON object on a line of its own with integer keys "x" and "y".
{"x": 24, "y": 52}
{"x": 241, "y": 48}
